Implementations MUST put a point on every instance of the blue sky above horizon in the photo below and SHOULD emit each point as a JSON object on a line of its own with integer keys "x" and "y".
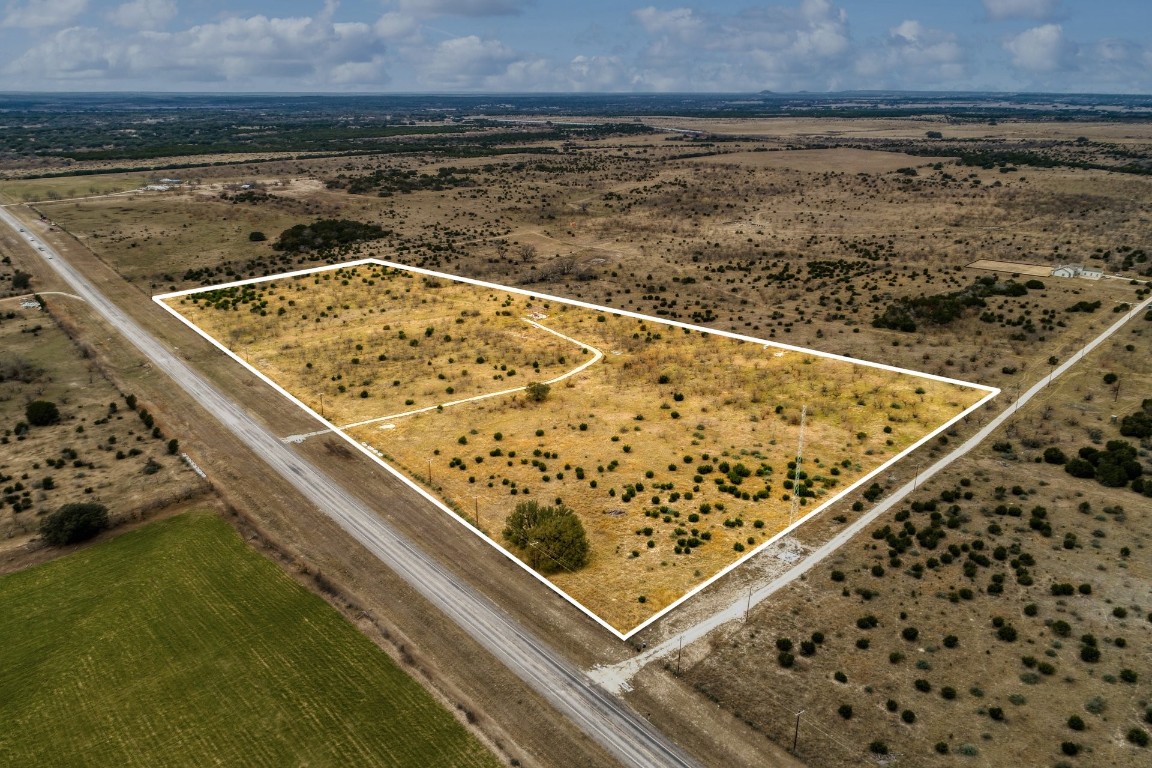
{"x": 576, "y": 46}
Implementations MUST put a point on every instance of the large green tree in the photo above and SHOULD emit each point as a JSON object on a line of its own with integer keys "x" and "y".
{"x": 73, "y": 523}
{"x": 41, "y": 413}
{"x": 551, "y": 538}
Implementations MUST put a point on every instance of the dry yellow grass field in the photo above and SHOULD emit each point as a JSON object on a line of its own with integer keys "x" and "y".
{"x": 673, "y": 449}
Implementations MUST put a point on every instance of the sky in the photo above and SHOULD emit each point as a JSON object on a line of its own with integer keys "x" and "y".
{"x": 517, "y": 46}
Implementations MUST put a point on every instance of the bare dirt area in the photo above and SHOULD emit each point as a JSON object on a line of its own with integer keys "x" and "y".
{"x": 1013, "y": 267}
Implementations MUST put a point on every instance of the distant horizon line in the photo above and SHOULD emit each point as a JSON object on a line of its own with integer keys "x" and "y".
{"x": 716, "y": 94}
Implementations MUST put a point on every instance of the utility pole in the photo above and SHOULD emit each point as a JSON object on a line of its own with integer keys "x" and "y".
{"x": 796, "y": 733}
{"x": 748, "y": 605}
{"x": 679, "y": 652}
{"x": 476, "y": 500}
{"x": 796, "y": 472}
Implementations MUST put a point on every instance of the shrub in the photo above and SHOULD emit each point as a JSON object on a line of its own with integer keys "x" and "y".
{"x": 1055, "y": 456}
{"x": 73, "y": 523}
{"x": 257, "y": 237}
{"x": 537, "y": 391}
{"x": 942, "y": 747}
{"x": 783, "y": 644}
{"x": 845, "y": 711}
{"x": 785, "y": 659}
{"x": 552, "y": 537}
{"x": 923, "y": 685}
{"x": 1007, "y": 633}
{"x": 948, "y": 692}
{"x": 910, "y": 633}
{"x": 908, "y": 716}
{"x": 1076, "y": 723}
{"x": 951, "y": 641}
{"x": 1128, "y": 675}
{"x": 840, "y": 677}
{"x": 1080, "y": 468}
{"x": 1070, "y": 748}
{"x": 878, "y": 748}
{"x": 1138, "y": 736}
{"x": 41, "y": 413}
{"x": 173, "y": 446}
{"x": 996, "y": 713}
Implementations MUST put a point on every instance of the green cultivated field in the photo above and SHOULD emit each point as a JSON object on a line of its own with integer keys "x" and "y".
{"x": 176, "y": 645}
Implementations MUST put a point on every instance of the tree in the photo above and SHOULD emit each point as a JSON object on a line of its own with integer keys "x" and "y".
{"x": 21, "y": 281}
{"x": 1080, "y": 468}
{"x": 73, "y": 523}
{"x": 1137, "y": 424}
{"x": 41, "y": 413}
{"x": 1055, "y": 456}
{"x": 537, "y": 391}
{"x": 551, "y": 537}
{"x": 257, "y": 237}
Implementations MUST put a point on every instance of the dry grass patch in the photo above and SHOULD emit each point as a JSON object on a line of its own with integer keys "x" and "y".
{"x": 99, "y": 450}
{"x": 673, "y": 449}
{"x": 841, "y": 160}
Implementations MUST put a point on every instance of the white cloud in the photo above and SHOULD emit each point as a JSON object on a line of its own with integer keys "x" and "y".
{"x": 42, "y": 13}
{"x": 396, "y": 26}
{"x": 143, "y": 14}
{"x": 1041, "y": 49}
{"x": 467, "y": 63}
{"x": 298, "y": 52}
{"x": 462, "y": 7}
{"x": 912, "y": 56}
{"x": 775, "y": 46}
{"x": 1000, "y": 10}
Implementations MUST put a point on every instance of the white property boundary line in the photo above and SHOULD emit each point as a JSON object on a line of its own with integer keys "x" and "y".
{"x": 992, "y": 392}
{"x": 596, "y": 357}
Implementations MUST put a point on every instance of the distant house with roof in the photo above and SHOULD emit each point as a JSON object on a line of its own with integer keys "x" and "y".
{"x": 1077, "y": 270}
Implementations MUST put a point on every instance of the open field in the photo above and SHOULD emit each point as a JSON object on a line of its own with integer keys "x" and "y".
{"x": 175, "y": 644}
{"x": 677, "y": 449}
{"x": 1014, "y": 267}
{"x": 807, "y": 249}
{"x": 100, "y": 450}
{"x": 37, "y": 190}
{"x": 1009, "y": 525}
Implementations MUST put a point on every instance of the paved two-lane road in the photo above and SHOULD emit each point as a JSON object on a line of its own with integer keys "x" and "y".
{"x": 605, "y": 719}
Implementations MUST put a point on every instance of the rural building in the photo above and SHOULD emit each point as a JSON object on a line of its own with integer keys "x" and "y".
{"x": 1077, "y": 270}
